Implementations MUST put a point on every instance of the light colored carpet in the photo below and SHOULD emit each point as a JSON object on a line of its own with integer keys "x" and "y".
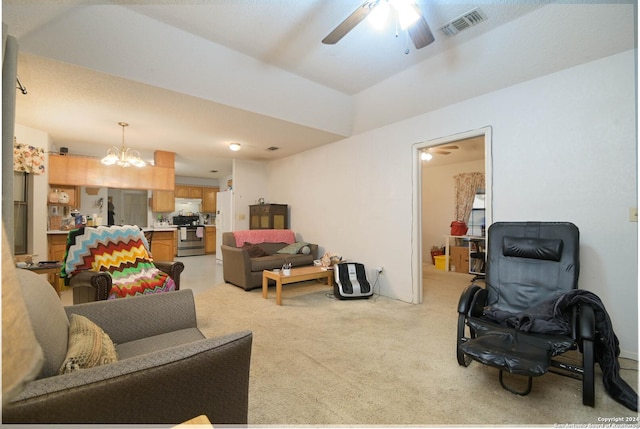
{"x": 321, "y": 361}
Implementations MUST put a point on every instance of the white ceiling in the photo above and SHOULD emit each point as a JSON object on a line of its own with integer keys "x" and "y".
{"x": 192, "y": 76}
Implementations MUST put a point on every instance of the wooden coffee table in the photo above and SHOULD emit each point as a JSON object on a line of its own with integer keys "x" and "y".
{"x": 297, "y": 275}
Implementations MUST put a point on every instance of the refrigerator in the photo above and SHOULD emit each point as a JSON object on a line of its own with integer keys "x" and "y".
{"x": 224, "y": 219}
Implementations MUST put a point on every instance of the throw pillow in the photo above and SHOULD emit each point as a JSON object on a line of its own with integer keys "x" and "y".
{"x": 294, "y": 248}
{"x": 89, "y": 346}
{"x": 254, "y": 250}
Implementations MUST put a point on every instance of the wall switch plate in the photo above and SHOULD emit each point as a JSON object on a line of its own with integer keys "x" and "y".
{"x": 633, "y": 214}
{"x": 241, "y": 217}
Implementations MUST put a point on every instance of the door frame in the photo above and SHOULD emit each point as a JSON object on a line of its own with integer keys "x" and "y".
{"x": 416, "y": 251}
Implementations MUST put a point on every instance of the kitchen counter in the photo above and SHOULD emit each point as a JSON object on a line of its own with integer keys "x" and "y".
{"x": 168, "y": 228}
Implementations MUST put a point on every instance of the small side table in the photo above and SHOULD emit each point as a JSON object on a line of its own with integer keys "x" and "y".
{"x": 47, "y": 269}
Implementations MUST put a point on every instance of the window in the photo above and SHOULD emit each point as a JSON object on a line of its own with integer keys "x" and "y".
{"x": 476, "y": 221}
{"x": 20, "y": 209}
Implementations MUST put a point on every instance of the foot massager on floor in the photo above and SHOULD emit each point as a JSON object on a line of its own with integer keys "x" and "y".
{"x": 351, "y": 281}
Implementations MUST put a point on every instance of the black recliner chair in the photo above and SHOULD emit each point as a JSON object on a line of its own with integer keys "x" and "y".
{"x": 512, "y": 323}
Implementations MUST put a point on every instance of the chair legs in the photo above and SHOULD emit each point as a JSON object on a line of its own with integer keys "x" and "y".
{"x": 588, "y": 381}
{"x": 517, "y": 392}
{"x": 463, "y": 358}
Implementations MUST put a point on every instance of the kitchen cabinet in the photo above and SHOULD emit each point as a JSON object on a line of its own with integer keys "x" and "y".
{"x": 163, "y": 246}
{"x": 82, "y": 171}
{"x": 72, "y": 191}
{"x": 186, "y": 191}
{"x": 268, "y": 216}
{"x": 209, "y": 204}
{"x": 209, "y": 239}
{"x": 163, "y": 202}
{"x": 56, "y": 246}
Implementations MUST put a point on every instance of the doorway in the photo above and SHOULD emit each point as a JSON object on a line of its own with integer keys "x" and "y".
{"x": 466, "y": 149}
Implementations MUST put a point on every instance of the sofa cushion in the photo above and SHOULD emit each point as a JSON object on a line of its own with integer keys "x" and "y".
{"x": 48, "y": 319}
{"x": 276, "y": 261}
{"x": 294, "y": 248}
{"x": 158, "y": 342}
{"x": 89, "y": 346}
{"x": 254, "y": 250}
{"x": 267, "y": 262}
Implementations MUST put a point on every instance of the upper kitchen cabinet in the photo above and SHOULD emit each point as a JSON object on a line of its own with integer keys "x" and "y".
{"x": 209, "y": 200}
{"x": 64, "y": 195}
{"x": 186, "y": 191}
{"x": 81, "y": 171}
{"x": 163, "y": 202}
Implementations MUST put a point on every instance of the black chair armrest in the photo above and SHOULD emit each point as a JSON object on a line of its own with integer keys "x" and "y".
{"x": 467, "y": 298}
{"x": 100, "y": 281}
{"x": 586, "y": 329}
{"x": 174, "y": 269}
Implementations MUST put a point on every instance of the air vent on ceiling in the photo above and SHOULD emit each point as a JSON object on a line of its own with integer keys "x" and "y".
{"x": 466, "y": 20}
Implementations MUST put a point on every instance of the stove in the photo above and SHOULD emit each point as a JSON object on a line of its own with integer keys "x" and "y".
{"x": 186, "y": 220}
{"x": 190, "y": 235}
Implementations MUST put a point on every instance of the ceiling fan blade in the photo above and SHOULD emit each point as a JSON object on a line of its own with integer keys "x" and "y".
{"x": 449, "y": 147}
{"x": 420, "y": 32}
{"x": 348, "y": 24}
{"x": 440, "y": 152}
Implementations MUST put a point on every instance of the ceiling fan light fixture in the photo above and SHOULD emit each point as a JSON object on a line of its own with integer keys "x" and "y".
{"x": 234, "y": 146}
{"x": 426, "y": 156}
{"x": 123, "y": 156}
{"x": 378, "y": 15}
{"x": 407, "y": 13}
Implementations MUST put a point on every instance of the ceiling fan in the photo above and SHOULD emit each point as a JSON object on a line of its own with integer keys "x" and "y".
{"x": 426, "y": 155}
{"x": 443, "y": 150}
{"x": 409, "y": 17}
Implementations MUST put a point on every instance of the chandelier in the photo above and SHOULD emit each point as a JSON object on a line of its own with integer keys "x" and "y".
{"x": 124, "y": 157}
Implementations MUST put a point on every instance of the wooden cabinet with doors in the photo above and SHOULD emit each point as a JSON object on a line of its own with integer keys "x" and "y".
{"x": 188, "y": 191}
{"x": 73, "y": 192}
{"x": 209, "y": 204}
{"x": 163, "y": 246}
{"x": 56, "y": 246}
{"x": 268, "y": 216}
{"x": 209, "y": 239}
{"x": 163, "y": 201}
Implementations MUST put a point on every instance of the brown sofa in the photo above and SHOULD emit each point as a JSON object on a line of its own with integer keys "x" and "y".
{"x": 245, "y": 271}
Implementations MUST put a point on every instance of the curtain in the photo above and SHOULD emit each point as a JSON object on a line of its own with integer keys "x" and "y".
{"x": 466, "y": 187}
{"x": 27, "y": 158}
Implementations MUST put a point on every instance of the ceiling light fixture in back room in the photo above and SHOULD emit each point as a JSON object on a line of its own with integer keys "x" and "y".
{"x": 124, "y": 157}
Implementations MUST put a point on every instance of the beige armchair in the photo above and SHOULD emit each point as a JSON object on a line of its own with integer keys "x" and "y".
{"x": 166, "y": 371}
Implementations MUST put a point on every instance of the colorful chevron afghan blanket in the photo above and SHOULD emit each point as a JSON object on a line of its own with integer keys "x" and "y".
{"x": 121, "y": 251}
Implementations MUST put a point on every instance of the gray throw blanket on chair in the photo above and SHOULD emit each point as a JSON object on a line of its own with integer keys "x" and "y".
{"x": 554, "y": 317}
